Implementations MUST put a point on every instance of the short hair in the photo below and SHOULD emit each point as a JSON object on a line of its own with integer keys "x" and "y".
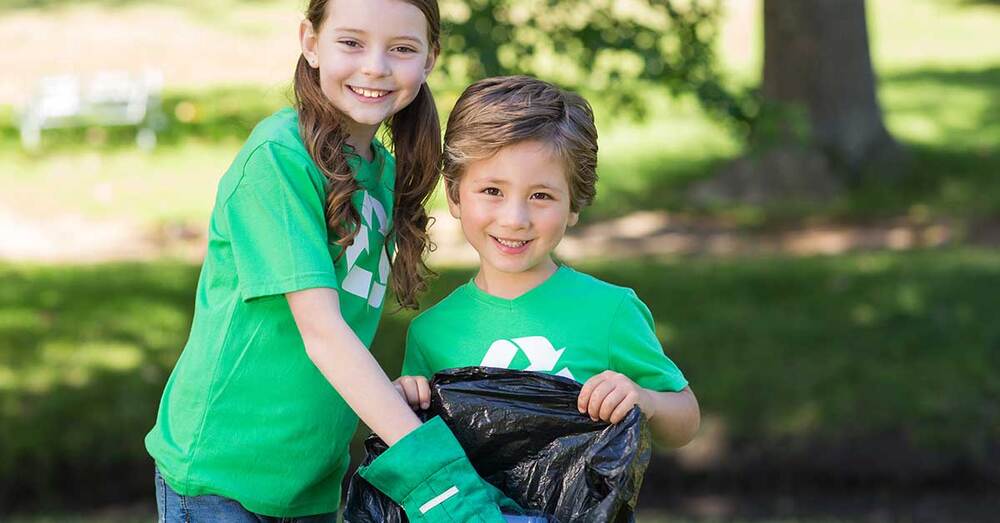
{"x": 498, "y": 112}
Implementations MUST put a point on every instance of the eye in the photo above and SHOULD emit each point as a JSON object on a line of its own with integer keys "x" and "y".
{"x": 404, "y": 49}
{"x": 541, "y": 196}
{"x": 491, "y": 191}
{"x": 350, "y": 43}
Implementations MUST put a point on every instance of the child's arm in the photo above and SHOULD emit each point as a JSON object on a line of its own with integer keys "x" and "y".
{"x": 418, "y": 485}
{"x": 673, "y": 416}
{"x": 348, "y": 365}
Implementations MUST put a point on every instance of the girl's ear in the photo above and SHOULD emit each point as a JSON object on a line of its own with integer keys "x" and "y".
{"x": 308, "y": 40}
{"x": 573, "y": 218}
{"x": 431, "y": 61}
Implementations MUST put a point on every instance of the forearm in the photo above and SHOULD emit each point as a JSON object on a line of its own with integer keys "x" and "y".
{"x": 349, "y": 367}
{"x": 674, "y": 417}
{"x": 359, "y": 379}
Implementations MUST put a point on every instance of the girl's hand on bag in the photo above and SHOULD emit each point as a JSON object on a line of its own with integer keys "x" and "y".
{"x": 609, "y": 396}
{"x": 416, "y": 390}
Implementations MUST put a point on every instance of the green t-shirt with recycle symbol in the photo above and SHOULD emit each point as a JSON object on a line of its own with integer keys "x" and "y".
{"x": 571, "y": 325}
{"x": 245, "y": 413}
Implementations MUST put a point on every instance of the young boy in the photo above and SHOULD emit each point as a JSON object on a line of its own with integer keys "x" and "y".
{"x": 520, "y": 163}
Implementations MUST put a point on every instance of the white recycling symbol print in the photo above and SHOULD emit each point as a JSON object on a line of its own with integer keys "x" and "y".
{"x": 359, "y": 280}
{"x": 538, "y": 349}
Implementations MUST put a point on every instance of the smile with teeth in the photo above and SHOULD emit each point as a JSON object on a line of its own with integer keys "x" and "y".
{"x": 513, "y": 244}
{"x": 369, "y": 93}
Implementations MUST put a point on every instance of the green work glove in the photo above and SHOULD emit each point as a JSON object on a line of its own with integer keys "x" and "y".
{"x": 429, "y": 475}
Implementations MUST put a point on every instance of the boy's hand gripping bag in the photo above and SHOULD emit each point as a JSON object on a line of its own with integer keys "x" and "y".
{"x": 524, "y": 435}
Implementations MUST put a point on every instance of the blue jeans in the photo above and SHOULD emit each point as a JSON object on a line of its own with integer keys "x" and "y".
{"x": 175, "y": 508}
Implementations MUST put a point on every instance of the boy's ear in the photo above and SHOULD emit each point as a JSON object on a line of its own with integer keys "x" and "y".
{"x": 573, "y": 218}
{"x": 307, "y": 40}
{"x": 454, "y": 208}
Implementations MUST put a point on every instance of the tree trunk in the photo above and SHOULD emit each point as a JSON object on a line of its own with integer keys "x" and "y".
{"x": 816, "y": 57}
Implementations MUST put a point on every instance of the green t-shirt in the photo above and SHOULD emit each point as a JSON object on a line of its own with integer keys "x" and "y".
{"x": 571, "y": 325}
{"x": 245, "y": 413}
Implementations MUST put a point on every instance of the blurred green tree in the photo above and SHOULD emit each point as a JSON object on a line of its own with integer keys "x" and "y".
{"x": 813, "y": 126}
{"x": 609, "y": 48}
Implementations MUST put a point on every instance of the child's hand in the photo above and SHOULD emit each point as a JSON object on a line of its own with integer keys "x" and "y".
{"x": 609, "y": 396}
{"x": 415, "y": 390}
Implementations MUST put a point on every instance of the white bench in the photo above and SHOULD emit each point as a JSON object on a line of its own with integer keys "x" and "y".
{"x": 107, "y": 99}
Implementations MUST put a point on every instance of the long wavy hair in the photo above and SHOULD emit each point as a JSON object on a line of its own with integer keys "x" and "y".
{"x": 416, "y": 144}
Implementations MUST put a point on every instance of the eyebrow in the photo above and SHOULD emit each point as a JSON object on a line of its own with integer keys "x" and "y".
{"x": 348, "y": 30}
{"x": 492, "y": 181}
{"x": 362, "y": 32}
{"x": 498, "y": 181}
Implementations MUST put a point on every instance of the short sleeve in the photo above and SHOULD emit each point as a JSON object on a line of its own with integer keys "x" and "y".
{"x": 277, "y": 225}
{"x": 634, "y": 350}
{"x": 414, "y": 363}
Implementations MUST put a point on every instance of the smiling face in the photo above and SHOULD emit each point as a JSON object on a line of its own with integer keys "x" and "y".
{"x": 514, "y": 207}
{"x": 372, "y": 56}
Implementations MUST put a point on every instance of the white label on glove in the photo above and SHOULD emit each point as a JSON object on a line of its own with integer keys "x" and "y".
{"x": 439, "y": 499}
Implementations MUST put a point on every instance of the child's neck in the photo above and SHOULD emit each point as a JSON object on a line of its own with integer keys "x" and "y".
{"x": 359, "y": 137}
{"x": 510, "y": 285}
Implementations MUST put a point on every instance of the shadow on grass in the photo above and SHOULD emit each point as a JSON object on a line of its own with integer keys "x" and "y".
{"x": 948, "y": 119}
{"x": 882, "y": 367}
{"x": 961, "y": 106}
{"x": 952, "y": 118}
{"x": 84, "y": 353}
{"x": 653, "y": 182}
{"x": 990, "y": 3}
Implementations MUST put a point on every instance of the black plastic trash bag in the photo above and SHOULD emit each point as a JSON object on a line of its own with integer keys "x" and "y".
{"x": 523, "y": 433}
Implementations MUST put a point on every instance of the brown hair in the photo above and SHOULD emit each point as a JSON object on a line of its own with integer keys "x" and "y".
{"x": 416, "y": 140}
{"x": 497, "y": 112}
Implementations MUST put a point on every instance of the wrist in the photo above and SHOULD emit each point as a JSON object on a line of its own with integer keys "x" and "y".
{"x": 646, "y": 403}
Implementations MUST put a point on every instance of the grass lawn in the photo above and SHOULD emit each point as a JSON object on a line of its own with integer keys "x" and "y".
{"x": 781, "y": 351}
{"x": 939, "y": 99}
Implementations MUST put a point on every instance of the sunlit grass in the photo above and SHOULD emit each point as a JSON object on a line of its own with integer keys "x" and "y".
{"x": 908, "y": 35}
{"x": 175, "y": 183}
{"x": 937, "y": 96}
{"x": 905, "y": 35}
{"x": 948, "y": 116}
{"x": 945, "y": 108}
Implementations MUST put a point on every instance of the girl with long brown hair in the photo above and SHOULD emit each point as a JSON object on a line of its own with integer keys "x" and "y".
{"x": 256, "y": 418}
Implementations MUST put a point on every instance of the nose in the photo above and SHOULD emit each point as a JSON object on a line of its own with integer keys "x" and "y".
{"x": 376, "y": 65}
{"x": 514, "y": 215}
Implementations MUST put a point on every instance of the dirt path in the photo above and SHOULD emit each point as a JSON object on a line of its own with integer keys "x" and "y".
{"x": 74, "y": 239}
